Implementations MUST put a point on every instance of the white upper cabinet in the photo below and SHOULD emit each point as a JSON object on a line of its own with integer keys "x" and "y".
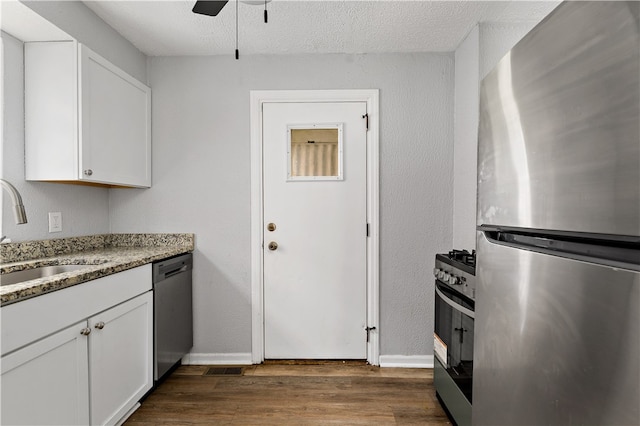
{"x": 86, "y": 120}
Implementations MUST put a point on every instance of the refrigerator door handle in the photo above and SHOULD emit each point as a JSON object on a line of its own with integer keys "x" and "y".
{"x": 586, "y": 248}
{"x": 454, "y": 305}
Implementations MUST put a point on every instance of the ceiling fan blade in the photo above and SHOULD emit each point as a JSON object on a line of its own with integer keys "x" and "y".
{"x": 208, "y": 7}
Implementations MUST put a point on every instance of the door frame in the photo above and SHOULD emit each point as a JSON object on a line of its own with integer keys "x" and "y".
{"x": 260, "y": 97}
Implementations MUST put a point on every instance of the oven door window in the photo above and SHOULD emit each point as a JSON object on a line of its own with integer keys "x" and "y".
{"x": 454, "y": 337}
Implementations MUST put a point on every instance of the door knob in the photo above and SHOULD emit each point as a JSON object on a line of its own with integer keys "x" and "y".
{"x": 271, "y": 227}
{"x": 273, "y": 246}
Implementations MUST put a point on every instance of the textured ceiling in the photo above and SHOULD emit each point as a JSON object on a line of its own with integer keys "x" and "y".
{"x": 169, "y": 28}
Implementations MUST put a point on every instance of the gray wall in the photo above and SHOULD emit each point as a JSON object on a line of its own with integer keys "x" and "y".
{"x": 201, "y": 180}
{"x": 84, "y": 210}
{"x": 465, "y": 145}
{"x": 84, "y": 25}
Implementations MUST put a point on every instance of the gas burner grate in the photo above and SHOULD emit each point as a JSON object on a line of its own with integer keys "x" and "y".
{"x": 463, "y": 256}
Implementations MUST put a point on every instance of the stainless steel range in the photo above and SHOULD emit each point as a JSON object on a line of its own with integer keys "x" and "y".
{"x": 453, "y": 332}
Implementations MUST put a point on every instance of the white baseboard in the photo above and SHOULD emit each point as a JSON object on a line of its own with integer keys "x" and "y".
{"x": 217, "y": 359}
{"x": 397, "y": 361}
{"x": 404, "y": 361}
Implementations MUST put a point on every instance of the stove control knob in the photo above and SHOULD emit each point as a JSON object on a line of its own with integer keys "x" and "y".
{"x": 435, "y": 272}
{"x": 445, "y": 278}
{"x": 441, "y": 274}
{"x": 453, "y": 280}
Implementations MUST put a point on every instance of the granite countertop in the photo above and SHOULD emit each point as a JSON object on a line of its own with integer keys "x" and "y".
{"x": 102, "y": 254}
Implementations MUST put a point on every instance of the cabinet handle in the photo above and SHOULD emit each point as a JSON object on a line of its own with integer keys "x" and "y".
{"x": 85, "y": 331}
{"x": 88, "y": 172}
{"x": 100, "y": 325}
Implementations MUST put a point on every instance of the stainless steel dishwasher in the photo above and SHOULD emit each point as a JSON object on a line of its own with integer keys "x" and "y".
{"x": 173, "y": 312}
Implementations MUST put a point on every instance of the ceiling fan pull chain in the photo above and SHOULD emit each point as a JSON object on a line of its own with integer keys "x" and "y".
{"x": 266, "y": 19}
{"x": 237, "y": 51}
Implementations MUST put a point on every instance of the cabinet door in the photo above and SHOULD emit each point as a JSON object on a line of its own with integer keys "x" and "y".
{"x": 120, "y": 358}
{"x": 47, "y": 383}
{"x": 51, "y": 110}
{"x": 115, "y": 123}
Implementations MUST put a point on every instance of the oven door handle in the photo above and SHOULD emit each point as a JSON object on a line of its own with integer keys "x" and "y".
{"x": 468, "y": 312}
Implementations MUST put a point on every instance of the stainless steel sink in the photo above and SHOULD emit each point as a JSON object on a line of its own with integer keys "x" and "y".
{"x": 35, "y": 273}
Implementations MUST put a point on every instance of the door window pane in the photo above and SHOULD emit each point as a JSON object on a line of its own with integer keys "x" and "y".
{"x": 315, "y": 152}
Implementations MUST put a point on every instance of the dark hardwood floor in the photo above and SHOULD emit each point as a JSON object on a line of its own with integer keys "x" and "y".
{"x": 294, "y": 393}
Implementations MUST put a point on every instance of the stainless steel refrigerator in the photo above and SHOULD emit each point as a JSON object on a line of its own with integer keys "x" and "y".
{"x": 557, "y": 321}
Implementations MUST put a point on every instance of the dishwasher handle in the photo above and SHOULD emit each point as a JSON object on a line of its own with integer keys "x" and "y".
{"x": 167, "y": 268}
{"x": 175, "y": 271}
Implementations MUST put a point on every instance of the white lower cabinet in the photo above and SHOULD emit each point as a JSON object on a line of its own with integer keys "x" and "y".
{"x": 120, "y": 358}
{"x": 47, "y": 381}
{"x": 92, "y": 372}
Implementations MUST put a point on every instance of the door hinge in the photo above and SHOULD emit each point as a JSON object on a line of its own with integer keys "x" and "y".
{"x": 367, "y": 229}
{"x": 369, "y": 329}
{"x": 366, "y": 117}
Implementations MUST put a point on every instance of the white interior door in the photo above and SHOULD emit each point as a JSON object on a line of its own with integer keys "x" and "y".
{"x": 314, "y": 186}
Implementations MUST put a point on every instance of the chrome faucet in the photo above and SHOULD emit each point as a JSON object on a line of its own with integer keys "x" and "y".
{"x": 19, "y": 213}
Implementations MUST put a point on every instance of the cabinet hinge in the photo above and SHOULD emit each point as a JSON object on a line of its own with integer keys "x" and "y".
{"x": 366, "y": 117}
{"x": 367, "y": 229}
